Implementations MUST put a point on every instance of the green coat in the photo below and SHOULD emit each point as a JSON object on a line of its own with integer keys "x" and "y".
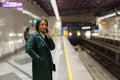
{"x": 39, "y": 49}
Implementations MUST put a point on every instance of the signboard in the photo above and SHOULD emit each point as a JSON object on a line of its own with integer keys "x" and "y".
{"x": 11, "y": 4}
{"x": 86, "y": 27}
{"x": 32, "y": 21}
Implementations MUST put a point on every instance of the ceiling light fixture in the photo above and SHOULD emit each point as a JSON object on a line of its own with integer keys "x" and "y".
{"x": 55, "y": 8}
{"x": 107, "y": 16}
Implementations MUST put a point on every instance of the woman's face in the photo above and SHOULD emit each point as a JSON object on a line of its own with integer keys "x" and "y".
{"x": 42, "y": 26}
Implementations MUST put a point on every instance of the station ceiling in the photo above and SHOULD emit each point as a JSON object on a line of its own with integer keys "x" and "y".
{"x": 78, "y": 7}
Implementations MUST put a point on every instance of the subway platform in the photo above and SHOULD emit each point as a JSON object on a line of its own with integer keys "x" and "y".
{"x": 68, "y": 64}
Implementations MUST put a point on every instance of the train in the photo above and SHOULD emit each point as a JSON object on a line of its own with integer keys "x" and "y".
{"x": 76, "y": 32}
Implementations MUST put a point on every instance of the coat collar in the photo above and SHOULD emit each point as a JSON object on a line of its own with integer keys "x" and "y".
{"x": 40, "y": 36}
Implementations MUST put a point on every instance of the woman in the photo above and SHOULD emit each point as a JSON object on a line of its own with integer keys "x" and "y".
{"x": 38, "y": 47}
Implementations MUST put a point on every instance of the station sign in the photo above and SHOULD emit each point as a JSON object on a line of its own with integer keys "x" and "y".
{"x": 32, "y": 21}
{"x": 11, "y": 4}
{"x": 108, "y": 22}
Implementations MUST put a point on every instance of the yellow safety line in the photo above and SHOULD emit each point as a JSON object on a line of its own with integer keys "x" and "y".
{"x": 67, "y": 61}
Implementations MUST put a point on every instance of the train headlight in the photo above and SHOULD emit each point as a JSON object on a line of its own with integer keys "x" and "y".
{"x": 88, "y": 34}
{"x": 70, "y": 34}
{"x": 78, "y": 33}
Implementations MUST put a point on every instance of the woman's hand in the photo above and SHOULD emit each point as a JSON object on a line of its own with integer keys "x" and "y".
{"x": 47, "y": 33}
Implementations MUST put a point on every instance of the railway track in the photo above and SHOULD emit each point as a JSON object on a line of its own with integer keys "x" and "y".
{"x": 104, "y": 57}
{"x": 97, "y": 71}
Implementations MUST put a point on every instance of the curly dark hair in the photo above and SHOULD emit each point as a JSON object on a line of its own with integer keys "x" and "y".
{"x": 38, "y": 22}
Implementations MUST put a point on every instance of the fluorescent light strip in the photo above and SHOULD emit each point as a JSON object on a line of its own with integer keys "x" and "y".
{"x": 107, "y": 16}
{"x": 55, "y": 8}
{"x": 24, "y": 11}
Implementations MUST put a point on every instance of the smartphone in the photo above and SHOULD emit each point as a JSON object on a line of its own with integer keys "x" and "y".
{"x": 46, "y": 30}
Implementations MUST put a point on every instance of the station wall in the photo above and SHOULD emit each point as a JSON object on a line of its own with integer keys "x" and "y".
{"x": 13, "y": 24}
{"x": 110, "y": 27}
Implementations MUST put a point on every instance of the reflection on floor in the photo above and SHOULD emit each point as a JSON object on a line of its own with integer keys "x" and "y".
{"x": 10, "y": 76}
{"x": 68, "y": 64}
{"x": 17, "y": 67}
